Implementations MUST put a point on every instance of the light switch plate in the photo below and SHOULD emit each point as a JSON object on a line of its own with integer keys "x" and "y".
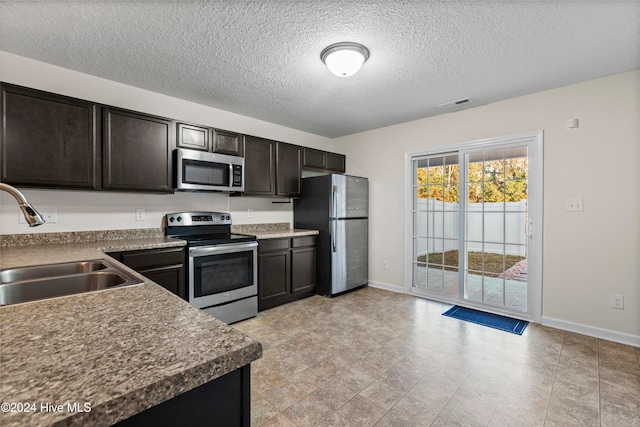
{"x": 574, "y": 205}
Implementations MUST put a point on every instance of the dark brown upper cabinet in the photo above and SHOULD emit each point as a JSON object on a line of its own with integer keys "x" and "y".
{"x": 49, "y": 140}
{"x": 323, "y": 160}
{"x": 259, "y": 166}
{"x": 136, "y": 151}
{"x": 192, "y": 136}
{"x": 227, "y": 142}
{"x": 272, "y": 169}
{"x": 314, "y": 158}
{"x": 336, "y": 162}
{"x": 204, "y": 138}
{"x": 288, "y": 169}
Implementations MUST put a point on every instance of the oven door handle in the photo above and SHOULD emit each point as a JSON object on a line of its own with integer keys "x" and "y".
{"x": 224, "y": 248}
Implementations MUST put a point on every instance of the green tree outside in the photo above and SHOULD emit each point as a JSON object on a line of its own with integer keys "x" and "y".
{"x": 489, "y": 181}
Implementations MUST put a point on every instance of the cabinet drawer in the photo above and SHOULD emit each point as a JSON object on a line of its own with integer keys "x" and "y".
{"x": 298, "y": 242}
{"x": 267, "y": 245}
{"x": 146, "y": 258}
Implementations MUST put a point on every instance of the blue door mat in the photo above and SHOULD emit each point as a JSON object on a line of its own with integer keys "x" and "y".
{"x": 494, "y": 321}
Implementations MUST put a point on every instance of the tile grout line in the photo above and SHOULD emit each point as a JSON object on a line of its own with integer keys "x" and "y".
{"x": 555, "y": 374}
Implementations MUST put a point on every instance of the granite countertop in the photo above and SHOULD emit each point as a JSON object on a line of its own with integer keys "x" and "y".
{"x": 116, "y": 352}
{"x": 272, "y": 230}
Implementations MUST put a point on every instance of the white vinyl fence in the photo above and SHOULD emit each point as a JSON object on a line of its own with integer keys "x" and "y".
{"x": 504, "y": 227}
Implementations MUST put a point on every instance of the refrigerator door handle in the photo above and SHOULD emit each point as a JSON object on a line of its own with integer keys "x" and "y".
{"x": 334, "y": 201}
{"x": 333, "y": 236}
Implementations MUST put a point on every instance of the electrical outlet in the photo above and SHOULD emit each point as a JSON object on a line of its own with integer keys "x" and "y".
{"x": 574, "y": 205}
{"x": 140, "y": 214}
{"x": 385, "y": 264}
{"x": 617, "y": 301}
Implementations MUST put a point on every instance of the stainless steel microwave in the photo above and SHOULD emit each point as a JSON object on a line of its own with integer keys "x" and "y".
{"x": 202, "y": 171}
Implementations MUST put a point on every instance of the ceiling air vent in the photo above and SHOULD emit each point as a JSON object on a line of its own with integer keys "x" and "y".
{"x": 452, "y": 104}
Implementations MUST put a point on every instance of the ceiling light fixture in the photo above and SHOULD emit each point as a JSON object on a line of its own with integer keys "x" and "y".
{"x": 344, "y": 59}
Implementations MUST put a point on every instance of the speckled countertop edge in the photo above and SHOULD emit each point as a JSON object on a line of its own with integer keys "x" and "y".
{"x": 102, "y": 348}
{"x": 271, "y": 230}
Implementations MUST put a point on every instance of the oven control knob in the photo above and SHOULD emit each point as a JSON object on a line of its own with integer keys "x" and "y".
{"x": 179, "y": 218}
{"x": 171, "y": 219}
{"x": 228, "y": 217}
{"x": 221, "y": 217}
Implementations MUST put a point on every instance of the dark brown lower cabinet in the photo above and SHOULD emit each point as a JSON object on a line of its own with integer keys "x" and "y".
{"x": 225, "y": 401}
{"x": 164, "y": 266}
{"x": 286, "y": 270}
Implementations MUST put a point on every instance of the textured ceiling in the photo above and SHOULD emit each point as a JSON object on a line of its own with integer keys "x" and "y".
{"x": 262, "y": 58}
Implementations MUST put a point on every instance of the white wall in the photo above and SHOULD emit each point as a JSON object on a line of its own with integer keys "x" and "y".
{"x": 84, "y": 210}
{"x": 587, "y": 256}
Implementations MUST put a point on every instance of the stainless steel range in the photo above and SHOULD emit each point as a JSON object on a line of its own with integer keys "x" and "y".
{"x": 222, "y": 266}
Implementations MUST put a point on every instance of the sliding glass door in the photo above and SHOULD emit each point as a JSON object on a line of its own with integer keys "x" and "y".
{"x": 474, "y": 212}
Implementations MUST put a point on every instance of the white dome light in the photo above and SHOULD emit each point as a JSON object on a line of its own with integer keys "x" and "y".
{"x": 344, "y": 59}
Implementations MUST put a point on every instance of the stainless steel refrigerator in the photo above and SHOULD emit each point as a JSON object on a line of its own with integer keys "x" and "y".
{"x": 338, "y": 207}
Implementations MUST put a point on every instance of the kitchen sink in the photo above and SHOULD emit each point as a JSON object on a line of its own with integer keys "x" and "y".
{"x": 50, "y": 270}
{"x": 39, "y": 282}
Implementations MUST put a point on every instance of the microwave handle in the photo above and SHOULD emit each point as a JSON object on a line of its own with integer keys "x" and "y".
{"x": 230, "y": 175}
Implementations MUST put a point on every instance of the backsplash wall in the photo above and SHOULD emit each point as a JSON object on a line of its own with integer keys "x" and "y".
{"x": 89, "y": 211}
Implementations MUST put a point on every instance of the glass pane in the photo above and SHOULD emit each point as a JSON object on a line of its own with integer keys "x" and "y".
{"x": 514, "y": 228}
{"x": 435, "y": 192}
{"x": 420, "y": 276}
{"x": 473, "y": 286}
{"x": 451, "y": 220}
{"x": 515, "y": 294}
{"x": 450, "y": 281}
{"x": 437, "y": 220}
{"x": 493, "y": 290}
{"x": 473, "y": 229}
{"x": 420, "y": 249}
{"x": 494, "y": 171}
{"x": 421, "y": 193}
{"x": 493, "y": 227}
{"x": 434, "y": 278}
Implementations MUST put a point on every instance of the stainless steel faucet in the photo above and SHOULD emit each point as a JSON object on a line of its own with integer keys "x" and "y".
{"x": 30, "y": 214}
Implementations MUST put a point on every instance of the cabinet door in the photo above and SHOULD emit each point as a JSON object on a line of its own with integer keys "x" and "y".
{"x": 137, "y": 152}
{"x": 259, "y": 163}
{"x": 273, "y": 278}
{"x": 303, "y": 270}
{"x": 227, "y": 142}
{"x": 170, "y": 278}
{"x": 313, "y": 158}
{"x": 48, "y": 140}
{"x": 193, "y": 137}
{"x": 336, "y": 162}
{"x": 164, "y": 266}
{"x": 288, "y": 170}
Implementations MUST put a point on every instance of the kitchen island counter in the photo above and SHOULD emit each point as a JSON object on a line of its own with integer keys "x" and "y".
{"x": 101, "y": 357}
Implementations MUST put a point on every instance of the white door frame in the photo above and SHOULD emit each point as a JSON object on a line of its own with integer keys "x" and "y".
{"x": 535, "y": 212}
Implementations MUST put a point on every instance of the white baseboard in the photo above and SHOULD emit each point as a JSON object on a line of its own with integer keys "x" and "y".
{"x": 605, "y": 334}
{"x": 386, "y": 286}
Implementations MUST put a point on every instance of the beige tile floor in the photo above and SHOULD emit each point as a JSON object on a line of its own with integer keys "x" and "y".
{"x": 374, "y": 357}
